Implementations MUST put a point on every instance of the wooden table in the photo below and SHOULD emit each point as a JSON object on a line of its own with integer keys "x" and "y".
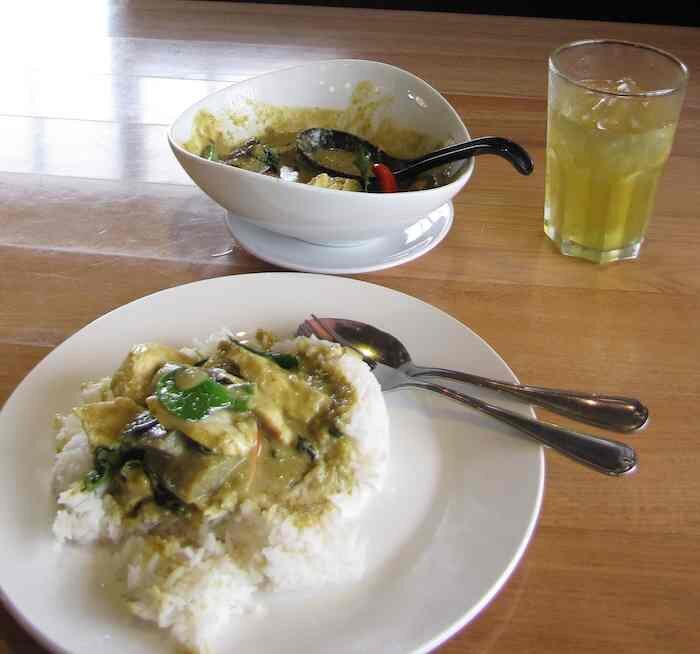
{"x": 95, "y": 212}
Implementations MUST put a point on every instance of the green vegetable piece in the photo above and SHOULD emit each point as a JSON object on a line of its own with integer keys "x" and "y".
{"x": 335, "y": 432}
{"x": 363, "y": 161}
{"x": 92, "y": 480}
{"x": 249, "y": 162}
{"x": 209, "y": 152}
{"x": 165, "y": 497}
{"x": 241, "y": 394}
{"x": 107, "y": 462}
{"x": 254, "y": 156}
{"x": 198, "y": 401}
{"x": 286, "y": 361}
{"x": 307, "y": 447}
{"x": 271, "y": 158}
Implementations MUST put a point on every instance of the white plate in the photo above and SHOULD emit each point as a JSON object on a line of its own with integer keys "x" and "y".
{"x": 460, "y": 505}
{"x": 386, "y": 252}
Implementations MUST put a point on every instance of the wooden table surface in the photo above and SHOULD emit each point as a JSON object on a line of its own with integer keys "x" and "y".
{"x": 96, "y": 212}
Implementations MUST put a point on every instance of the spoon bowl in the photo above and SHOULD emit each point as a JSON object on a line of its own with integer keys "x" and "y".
{"x": 334, "y": 152}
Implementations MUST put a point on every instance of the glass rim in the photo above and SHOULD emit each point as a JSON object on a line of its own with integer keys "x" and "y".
{"x": 640, "y": 94}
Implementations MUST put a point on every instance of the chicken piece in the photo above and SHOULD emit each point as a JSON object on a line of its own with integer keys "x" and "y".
{"x": 223, "y": 431}
{"x": 134, "y": 376}
{"x": 272, "y": 419}
{"x": 104, "y": 422}
{"x": 284, "y": 403}
{"x": 324, "y": 180}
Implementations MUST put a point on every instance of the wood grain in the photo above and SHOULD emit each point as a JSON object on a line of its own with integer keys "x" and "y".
{"x": 92, "y": 198}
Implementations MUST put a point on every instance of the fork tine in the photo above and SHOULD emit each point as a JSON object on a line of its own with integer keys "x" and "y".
{"x": 323, "y": 330}
{"x": 337, "y": 338}
{"x": 317, "y": 329}
{"x": 331, "y": 334}
{"x": 305, "y": 329}
{"x": 314, "y": 327}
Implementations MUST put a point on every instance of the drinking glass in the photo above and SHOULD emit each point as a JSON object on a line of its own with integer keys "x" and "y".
{"x": 613, "y": 108}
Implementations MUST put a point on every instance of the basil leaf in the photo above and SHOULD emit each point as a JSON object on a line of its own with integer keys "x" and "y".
{"x": 286, "y": 361}
{"x": 107, "y": 462}
{"x": 198, "y": 401}
{"x": 209, "y": 152}
{"x": 95, "y": 478}
{"x": 271, "y": 158}
{"x": 363, "y": 161}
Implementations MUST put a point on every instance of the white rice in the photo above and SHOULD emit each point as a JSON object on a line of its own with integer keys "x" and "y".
{"x": 193, "y": 590}
{"x": 190, "y": 590}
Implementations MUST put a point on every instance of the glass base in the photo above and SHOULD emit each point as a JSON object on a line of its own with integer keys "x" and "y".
{"x": 573, "y": 249}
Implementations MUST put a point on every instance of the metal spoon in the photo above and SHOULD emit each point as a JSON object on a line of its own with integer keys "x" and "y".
{"x": 312, "y": 141}
{"x": 607, "y": 411}
{"x": 604, "y": 455}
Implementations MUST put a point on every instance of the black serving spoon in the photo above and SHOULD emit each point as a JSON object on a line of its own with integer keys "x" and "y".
{"x": 317, "y": 141}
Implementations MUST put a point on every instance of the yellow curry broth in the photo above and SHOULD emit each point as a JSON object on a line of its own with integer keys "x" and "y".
{"x": 295, "y": 464}
{"x": 360, "y": 117}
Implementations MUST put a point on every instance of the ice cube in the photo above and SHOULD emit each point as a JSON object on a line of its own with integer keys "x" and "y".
{"x": 600, "y": 104}
{"x": 607, "y": 123}
{"x": 626, "y": 85}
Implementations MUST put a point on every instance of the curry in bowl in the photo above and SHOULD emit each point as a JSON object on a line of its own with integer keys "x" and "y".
{"x": 273, "y": 149}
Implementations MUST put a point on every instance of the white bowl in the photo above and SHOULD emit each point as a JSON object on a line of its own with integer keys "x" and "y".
{"x": 309, "y": 213}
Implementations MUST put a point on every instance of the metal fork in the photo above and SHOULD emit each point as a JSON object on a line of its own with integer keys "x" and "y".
{"x": 608, "y": 456}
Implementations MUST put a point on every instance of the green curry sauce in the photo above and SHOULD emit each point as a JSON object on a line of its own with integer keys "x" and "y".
{"x": 261, "y": 138}
{"x": 211, "y": 434}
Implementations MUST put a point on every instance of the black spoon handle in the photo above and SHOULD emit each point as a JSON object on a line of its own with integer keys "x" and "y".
{"x": 509, "y": 150}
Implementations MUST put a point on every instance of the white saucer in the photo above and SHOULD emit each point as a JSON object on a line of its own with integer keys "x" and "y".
{"x": 381, "y": 253}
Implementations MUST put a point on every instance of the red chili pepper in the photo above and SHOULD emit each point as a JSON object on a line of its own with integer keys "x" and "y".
{"x": 385, "y": 178}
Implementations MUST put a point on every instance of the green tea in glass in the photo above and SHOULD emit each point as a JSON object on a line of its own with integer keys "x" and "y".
{"x": 612, "y": 112}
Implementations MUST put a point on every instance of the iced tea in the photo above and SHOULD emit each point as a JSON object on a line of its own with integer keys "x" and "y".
{"x": 607, "y": 143}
